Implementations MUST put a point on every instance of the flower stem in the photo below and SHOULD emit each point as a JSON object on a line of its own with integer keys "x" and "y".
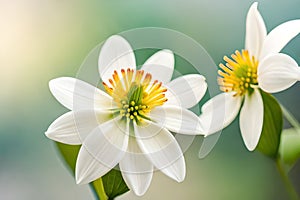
{"x": 98, "y": 185}
{"x": 289, "y": 116}
{"x": 288, "y": 185}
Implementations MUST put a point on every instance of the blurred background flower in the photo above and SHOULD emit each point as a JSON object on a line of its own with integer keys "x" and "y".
{"x": 41, "y": 40}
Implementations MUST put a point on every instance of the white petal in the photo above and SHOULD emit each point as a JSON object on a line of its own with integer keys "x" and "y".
{"x": 161, "y": 148}
{"x": 116, "y": 53}
{"x": 277, "y": 72}
{"x": 280, "y": 36}
{"x": 186, "y": 91}
{"x": 255, "y": 31}
{"x": 173, "y": 99}
{"x": 102, "y": 150}
{"x": 160, "y": 65}
{"x": 177, "y": 119}
{"x": 219, "y": 112}
{"x": 251, "y": 119}
{"x": 136, "y": 169}
{"x": 75, "y": 94}
{"x": 73, "y": 127}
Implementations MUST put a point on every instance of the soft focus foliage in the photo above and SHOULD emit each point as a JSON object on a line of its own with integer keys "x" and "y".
{"x": 290, "y": 146}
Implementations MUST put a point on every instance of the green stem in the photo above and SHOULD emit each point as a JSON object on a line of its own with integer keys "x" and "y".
{"x": 98, "y": 185}
{"x": 289, "y": 116}
{"x": 288, "y": 185}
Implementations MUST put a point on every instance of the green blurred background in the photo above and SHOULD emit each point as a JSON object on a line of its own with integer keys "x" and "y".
{"x": 42, "y": 39}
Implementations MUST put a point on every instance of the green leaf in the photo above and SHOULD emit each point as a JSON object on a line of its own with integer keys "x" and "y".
{"x": 69, "y": 154}
{"x": 272, "y": 126}
{"x": 113, "y": 182}
{"x": 289, "y": 149}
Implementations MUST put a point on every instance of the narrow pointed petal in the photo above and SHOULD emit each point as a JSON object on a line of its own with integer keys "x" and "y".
{"x": 136, "y": 169}
{"x": 186, "y": 91}
{"x": 102, "y": 150}
{"x": 160, "y": 65}
{"x": 75, "y": 94}
{"x": 280, "y": 36}
{"x": 219, "y": 112}
{"x": 177, "y": 119}
{"x": 208, "y": 144}
{"x": 251, "y": 119}
{"x": 255, "y": 31}
{"x": 277, "y": 72}
{"x": 161, "y": 148}
{"x": 116, "y": 53}
{"x": 73, "y": 127}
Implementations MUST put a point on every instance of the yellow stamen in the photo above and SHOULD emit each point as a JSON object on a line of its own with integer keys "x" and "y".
{"x": 135, "y": 94}
{"x": 239, "y": 73}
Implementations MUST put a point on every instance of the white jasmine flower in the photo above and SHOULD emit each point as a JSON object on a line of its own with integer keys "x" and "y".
{"x": 130, "y": 123}
{"x": 258, "y": 66}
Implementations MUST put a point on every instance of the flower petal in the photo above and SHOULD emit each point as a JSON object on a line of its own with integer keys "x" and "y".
{"x": 116, "y": 53}
{"x": 136, "y": 169}
{"x": 208, "y": 144}
{"x": 255, "y": 31}
{"x": 73, "y": 127}
{"x": 219, "y": 112}
{"x": 277, "y": 72}
{"x": 251, "y": 119}
{"x": 161, "y": 148}
{"x": 177, "y": 119}
{"x": 186, "y": 91}
{"x": 75, "y": 94}
{"x": 280, "y": 36}
{"x": 102, "y": 149}
{"x": 160, "y": 65}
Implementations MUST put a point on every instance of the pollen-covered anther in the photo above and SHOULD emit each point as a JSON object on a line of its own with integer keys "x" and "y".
{"x": 239, "y": 74}
{"x": 135, "y": 94}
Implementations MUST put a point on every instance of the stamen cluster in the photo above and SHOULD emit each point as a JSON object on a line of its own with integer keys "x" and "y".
{"x": 239, "y": 74}
{"x": 135, "y": 94}
{"x": 132, "y": 110}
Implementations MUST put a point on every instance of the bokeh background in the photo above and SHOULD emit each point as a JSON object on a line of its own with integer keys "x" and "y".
{"x": 42, "y": 39}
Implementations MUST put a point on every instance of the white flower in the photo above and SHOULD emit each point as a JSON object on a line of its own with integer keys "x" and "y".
{"x": 130, "y": 123}
{"x": 258, "y": 66}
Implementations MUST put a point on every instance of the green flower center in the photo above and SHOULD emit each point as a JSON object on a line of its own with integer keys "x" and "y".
{"x": 135, "y": 94}
{"x": 132, "y": 106}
